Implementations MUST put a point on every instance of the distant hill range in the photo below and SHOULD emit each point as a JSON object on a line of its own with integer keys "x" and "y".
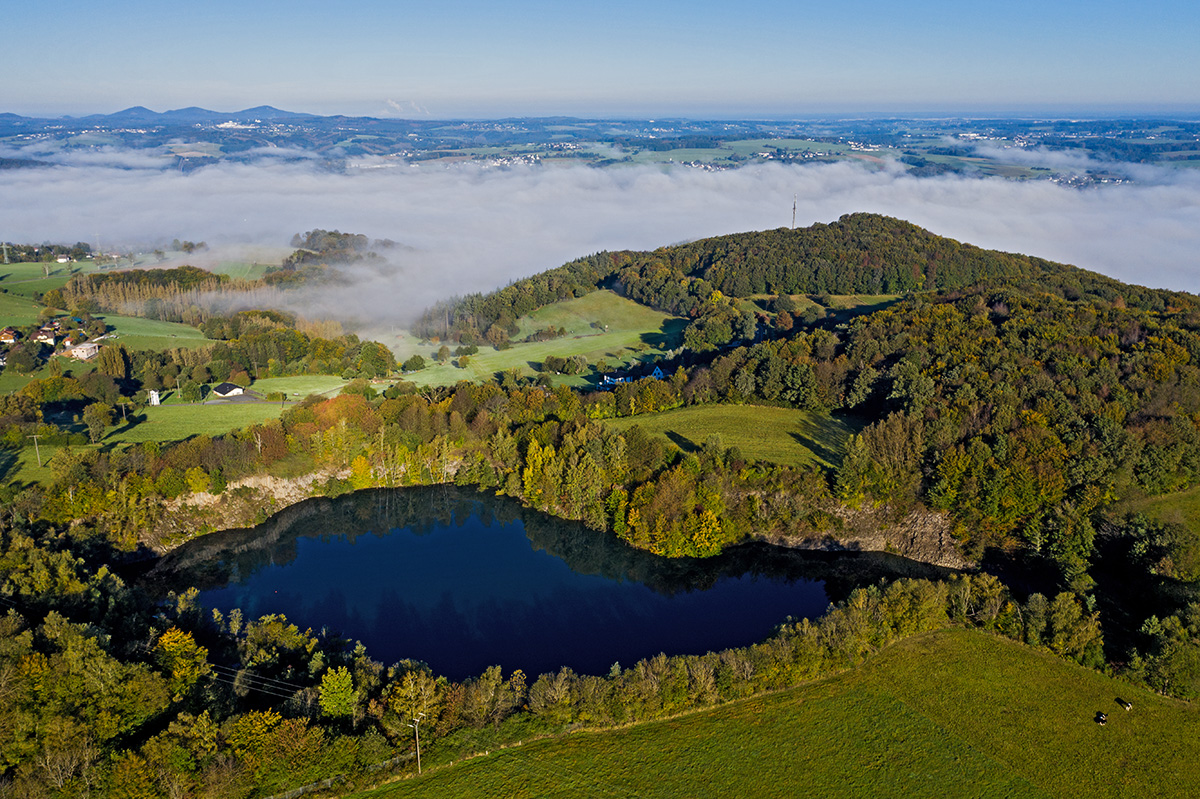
{"x": 140, "y": 115}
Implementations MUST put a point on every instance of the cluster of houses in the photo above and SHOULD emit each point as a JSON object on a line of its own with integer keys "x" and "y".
{"x": 75, "y": 343}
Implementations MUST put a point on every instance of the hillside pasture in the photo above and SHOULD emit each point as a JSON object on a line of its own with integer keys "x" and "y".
{"x": 780, "y": 435}
{"x": 634, "y": 334}
{"x": 151, "y": 334}
{"x": 839, "y": 306}
{"x": 953, "y": 713}
{"x": 29, "y": 280}
{"x": 17, "y": 311}
{"x": 240, "y": 270}
{"x": 177, "y": 422}
{"x": 300, "y": 386}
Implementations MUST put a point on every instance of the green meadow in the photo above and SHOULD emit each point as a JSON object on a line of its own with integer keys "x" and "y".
{"x": 946, "y": 714}
{"x": 150, "y": 334}
{"x": 17, "y": 311}
{"x": 176, "y": 422}
{"x": 29, "y": 279}
{"x": 780, "y": 435}
{"x": 634, "y": 333}
{"x": 241, "y": 270}
{"x": 300, "y": 386}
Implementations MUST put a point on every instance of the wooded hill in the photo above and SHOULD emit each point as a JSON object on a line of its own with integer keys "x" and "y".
{"x": 858, "y": 254}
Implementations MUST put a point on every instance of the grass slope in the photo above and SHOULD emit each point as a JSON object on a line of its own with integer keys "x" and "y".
{"x": 955, "y": 713}
{"x": 634, "y": 333}
{"x": 780, "y": 435}
{"x": 1181, "y": 507}
{"x": 17, "y": 311}
{"x": 28, "y": 279}
{"x": 178, "y": 422}
{"x": 300, "y": 385}
{"x": 150, "y": 334}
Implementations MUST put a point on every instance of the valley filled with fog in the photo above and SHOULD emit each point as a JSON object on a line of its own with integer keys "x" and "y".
{"x": 467, "y": 228}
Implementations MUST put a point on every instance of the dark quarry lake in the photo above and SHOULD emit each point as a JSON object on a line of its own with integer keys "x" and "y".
{"x": 463, "y": 580}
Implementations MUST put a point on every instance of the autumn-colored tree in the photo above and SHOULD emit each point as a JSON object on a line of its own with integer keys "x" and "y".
{"x": 185, "y": 662}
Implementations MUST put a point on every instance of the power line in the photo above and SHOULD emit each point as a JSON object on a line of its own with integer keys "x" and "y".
{"x": 251, "y": 676}
{"x": 264, "y": 691}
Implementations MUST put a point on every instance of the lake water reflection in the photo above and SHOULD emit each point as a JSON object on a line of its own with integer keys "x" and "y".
{"x": 462, "y": 580}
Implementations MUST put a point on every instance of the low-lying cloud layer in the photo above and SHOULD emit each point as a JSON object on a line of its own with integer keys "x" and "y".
{"x": 472, "y": 229}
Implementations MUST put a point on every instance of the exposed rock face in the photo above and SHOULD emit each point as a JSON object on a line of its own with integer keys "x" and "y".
{"x": 922, "y": 535}
{"x": 245, "y": 503}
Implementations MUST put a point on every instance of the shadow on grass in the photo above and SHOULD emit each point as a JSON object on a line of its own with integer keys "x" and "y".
{"x": 682, "y": 441}
{"x": 131, "y": 421}
{"x": 9, "y": 463}
{"x": 844, "y": 314}
{"x": 666, "y": 337}
{"x": 825, "y": 439}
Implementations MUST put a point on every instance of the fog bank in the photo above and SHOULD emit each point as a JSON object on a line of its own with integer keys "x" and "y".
{"x": 468, "y": 228}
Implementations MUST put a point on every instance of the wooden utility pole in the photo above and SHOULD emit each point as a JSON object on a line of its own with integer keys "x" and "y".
{"x": 416, "y": 729}
{"x": 37, "y": 450}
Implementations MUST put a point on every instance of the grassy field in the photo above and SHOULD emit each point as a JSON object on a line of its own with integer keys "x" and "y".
{"x": 172, "y": 421}
{"x": 955, "y": 713}
{"x": 634, "y": 333}
{"x": 300, "y": 386}
{"x": 1182, "y": 507}
{"x": 17, "y": 311}
{"x": 150, "y": 334}
{"x": 780, "y": 435}
{"x": 178, "y": 422}
{"x": 27, "y": 280}
{"x": 241, "y": 270}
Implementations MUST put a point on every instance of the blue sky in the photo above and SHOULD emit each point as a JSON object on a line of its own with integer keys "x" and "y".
{"x": 650, "y": 58}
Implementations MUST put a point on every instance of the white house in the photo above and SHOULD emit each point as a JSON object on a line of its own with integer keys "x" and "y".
{"x": 228, "y": 390}
{"x": 85, "y": 351}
